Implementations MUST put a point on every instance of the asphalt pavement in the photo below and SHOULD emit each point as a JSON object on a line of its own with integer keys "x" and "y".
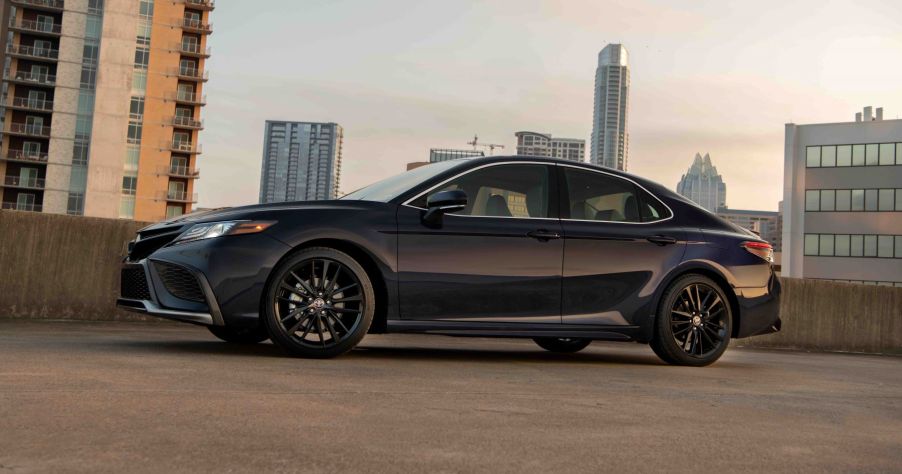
{"x": 141, "y": 397}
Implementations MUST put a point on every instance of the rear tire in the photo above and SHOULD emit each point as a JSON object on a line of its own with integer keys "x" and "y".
{"x": 694, "y": 322}
{"x": 562, "y": 345}
{"x": 319, "y": 303}
{"x": 240, "y": 335}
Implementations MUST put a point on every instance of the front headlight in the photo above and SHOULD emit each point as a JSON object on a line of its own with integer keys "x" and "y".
{"x": 218, "y": 229}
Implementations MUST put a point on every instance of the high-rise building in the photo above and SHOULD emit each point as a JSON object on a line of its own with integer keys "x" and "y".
{"x": 842, "y": 200}
{"x": 101, "y": 105}
{"x": 445, "y": 154}
{"x": 703, "y": 185}
{"x": 763, "y": 223}
{"x": 301, "y": 161}
{"x": 610, "y": 133}
{"x": 543, "y": 144}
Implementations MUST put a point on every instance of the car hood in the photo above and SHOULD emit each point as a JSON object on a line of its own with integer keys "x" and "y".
{"x": 245, "y": 212}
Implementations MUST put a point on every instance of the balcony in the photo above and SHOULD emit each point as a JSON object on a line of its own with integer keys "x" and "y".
{"x": 189, "y": 98}
{"x": 184, "y": 147}
{"x": 196, "y": 26}
{"x": 187, "y": 122}
{"x": 191, "y": 74}
{"x": 206, "y": 5}
{"x": 25, "y": 156}
{"x": 177, "y": 171}
{"x": 26, "y": 103}
{"x": 48, "y": 5}
{"x": 28, "y": 130}
{"x": 193, "y": 50}
{"x": 179, "y": 196}
{"x": 32, "y": 52}
{"x": 35, "y": 27}
{"x": 31, "y": 79}
{"x": 21, "y": 206}
{"x": 23, "y": 183}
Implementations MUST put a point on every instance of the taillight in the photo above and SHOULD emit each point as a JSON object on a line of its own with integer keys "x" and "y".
{"x": 761, "y": 249}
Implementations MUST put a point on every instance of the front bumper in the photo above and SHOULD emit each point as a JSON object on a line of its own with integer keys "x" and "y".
{"x": 144, "y": 290}
{"x": 759, "y": 309}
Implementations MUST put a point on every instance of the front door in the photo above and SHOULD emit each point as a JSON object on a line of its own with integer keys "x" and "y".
{"x": 620, "y": 241}
{"x": 497, "y": 260}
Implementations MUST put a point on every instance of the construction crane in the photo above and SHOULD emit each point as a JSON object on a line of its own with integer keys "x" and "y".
{"x": 490, "y": 146}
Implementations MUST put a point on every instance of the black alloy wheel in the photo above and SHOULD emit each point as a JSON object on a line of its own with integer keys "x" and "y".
{"x": 563, "y": 345}
{"x": 320, "y": 303}
{"x": 694, "y": 322}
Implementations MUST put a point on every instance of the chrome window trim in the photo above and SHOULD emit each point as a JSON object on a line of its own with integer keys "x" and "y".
{"x": 407, "y": 202}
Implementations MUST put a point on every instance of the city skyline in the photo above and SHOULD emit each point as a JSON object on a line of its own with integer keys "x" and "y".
{"x": 727, "y": 86}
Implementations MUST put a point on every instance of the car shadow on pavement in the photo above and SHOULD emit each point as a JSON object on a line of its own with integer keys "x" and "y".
{"x": 476, "y": 355}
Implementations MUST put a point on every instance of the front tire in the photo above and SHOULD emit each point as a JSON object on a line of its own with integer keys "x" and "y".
{"x": 240, "y": 335}
{"x": 694, "y": 322}
{"x": 319, "y": 303}
{"x": 562, "y": 345}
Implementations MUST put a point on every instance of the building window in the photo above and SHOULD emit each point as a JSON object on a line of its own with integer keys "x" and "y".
{"x": 134, "y": 132}
{"x": 853, "y": 200}
{"x": 828, "y": 156}
{"x": 142, "y": 57}
{"x": 136, "y": 110}
{"x": 139, "y": 83}
{"x": 865, "y": 154}
{"x": 887, "y": 154}
{"x": 76, "y": 204}
{"x": 127, "y": 207}
{"x": 844, "y": 245}
{"x": 129, "y": 185}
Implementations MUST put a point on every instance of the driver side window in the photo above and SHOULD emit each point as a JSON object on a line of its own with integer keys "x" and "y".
{"x": 509, "y": 190}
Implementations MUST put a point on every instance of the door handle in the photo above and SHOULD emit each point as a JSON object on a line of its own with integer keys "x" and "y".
{"x": 661, "y": 240}
{"x": 543, "y": 235}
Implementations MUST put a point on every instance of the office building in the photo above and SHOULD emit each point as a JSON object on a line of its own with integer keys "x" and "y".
{"x": 703, "y": 185}
{"x": 543, "y": 144}
{"x": 101, "y": 105}
{"x": 842, "y": 195}
{"x": 763, "y": 223}
{"x": 445, "y": 154}
{"x": 610, "y": 139}
{"x": 301, "y": 161}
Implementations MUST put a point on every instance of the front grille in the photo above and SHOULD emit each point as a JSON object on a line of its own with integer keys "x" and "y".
{"x": 179, "y": 282}
{"x": 133, "y": 284}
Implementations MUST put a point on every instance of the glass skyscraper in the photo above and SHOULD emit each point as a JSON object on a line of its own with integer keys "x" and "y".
{"x": 301, "y": 161}
{"x": 610, "y": 135}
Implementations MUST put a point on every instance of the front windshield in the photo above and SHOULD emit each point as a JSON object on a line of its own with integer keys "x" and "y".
{"x": 390, "y": 188}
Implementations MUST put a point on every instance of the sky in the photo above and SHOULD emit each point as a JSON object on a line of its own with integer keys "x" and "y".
{"x": 401, "y": 77}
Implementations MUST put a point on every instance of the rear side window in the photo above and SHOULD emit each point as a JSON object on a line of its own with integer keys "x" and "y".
{"x": 600, "y": 197}
{"x": 650, "y": 209}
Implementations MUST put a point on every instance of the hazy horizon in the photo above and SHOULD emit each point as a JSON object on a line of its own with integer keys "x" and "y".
{"x": 401, "y": 77}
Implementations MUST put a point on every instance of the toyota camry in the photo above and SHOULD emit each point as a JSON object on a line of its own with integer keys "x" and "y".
{"x": 560, "y": 252}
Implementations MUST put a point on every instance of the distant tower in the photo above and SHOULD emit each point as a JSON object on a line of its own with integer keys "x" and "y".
{"x": 610, "y": 135}
{"x": 703, "y": 185}
{"x": 301, "y": 161}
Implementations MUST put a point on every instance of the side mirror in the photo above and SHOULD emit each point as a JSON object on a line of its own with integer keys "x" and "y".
{"x": 444, "y": 202}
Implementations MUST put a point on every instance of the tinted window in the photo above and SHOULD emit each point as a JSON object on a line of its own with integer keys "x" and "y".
{"x": 501, "y": 191}
{"x": 650, "y": 209}
{"x": 394, "y": 186}
{"x": 599, "y": 197}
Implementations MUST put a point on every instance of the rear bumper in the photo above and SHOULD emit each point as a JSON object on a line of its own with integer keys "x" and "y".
{"x": 142, "y": 290}
{"x": 759, "y": 309}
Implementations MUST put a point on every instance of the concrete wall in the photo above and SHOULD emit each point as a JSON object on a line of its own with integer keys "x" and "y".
{"x": 64, "y": 267}
{"x": 826, "y": 315}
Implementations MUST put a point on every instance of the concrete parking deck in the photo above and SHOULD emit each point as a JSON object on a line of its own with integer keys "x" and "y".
{"x": 134, "y": 397}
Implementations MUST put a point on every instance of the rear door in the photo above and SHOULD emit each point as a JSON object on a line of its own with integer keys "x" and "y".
{"x": 498, "y": 260}
{"x": 619, "y": 242}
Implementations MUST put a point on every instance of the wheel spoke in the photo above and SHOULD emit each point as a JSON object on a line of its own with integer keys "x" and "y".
{"x": 332, "y": 331}
{"x": 293, "y": 314}
{"x": 343, "y": 289}
{"x": 293, "y": 329}
{"x": 319, "y": 327}
{"x": 348, "y": 299}
{"x": 691, "y": 303}
{"x": 338, "y": 320}
{"x": 287, "y": 287}
{"x": 303, "y": 283}
{"x": 344, "y": 310}
{"x": 682, "y": 313}
{"x": 324, "y": 283}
